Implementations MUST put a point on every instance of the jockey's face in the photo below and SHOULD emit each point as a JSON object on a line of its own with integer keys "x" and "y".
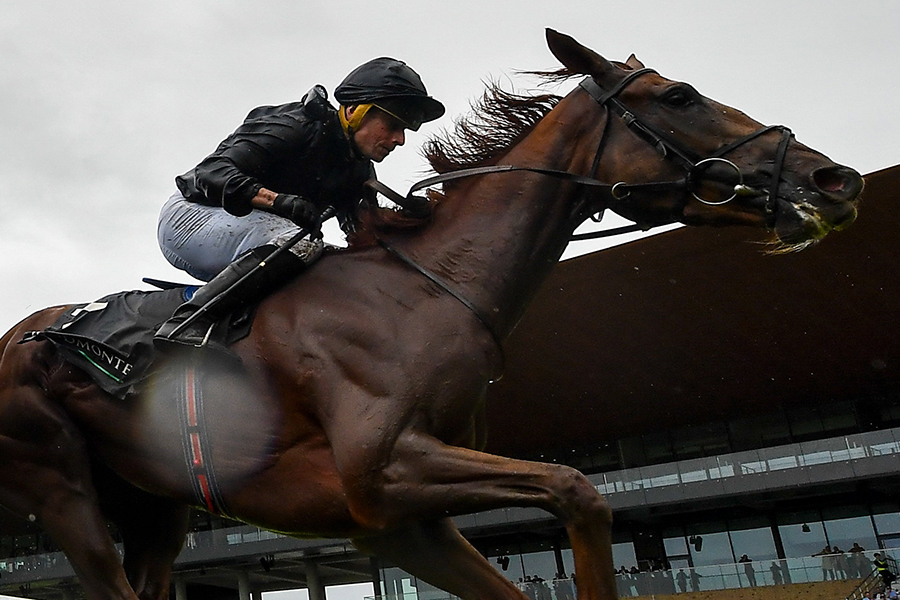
{"x": 378, "y": 134}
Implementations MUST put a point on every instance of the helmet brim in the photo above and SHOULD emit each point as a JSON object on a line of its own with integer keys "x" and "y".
{"x": 411, "y": 110}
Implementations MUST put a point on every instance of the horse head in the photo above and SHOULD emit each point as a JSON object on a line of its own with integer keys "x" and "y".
{"x": 724, "y": 168}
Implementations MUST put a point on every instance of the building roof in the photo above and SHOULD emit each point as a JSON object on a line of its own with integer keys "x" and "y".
{"x": 700, "y": 324}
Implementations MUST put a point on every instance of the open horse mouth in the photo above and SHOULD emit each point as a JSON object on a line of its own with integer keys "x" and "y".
{"x": 806, "y": 215}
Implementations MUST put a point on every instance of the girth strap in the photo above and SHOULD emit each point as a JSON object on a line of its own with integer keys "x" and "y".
{"x": 195, "y": 443}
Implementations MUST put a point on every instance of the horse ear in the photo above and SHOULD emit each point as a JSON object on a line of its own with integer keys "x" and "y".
{"x": 576, "y": 57}
{"x": 634, "y": 63}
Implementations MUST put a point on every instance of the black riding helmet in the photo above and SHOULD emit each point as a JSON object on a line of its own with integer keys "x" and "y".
{"x": 393, "y": 87}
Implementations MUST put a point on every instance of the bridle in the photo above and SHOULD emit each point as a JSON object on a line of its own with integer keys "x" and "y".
{"x": 694, "y": 165}
{"x": 619, "y": 192}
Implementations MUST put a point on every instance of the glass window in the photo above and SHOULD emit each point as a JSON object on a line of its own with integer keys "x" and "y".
{"x": 348, "y": 590}
{"x": 509, "y": 565}
{"x": 569, "y": 560}
{"x": 844, "y": 532}
{"x": 888, "y": 522}
{"x": 758, "y": 544}
{"x": 676, "y": 546}
{"x": 298, "y": 594}
{"x": 710, "y": 549}
{"x": 623, "y": 555}
{"x": 802, "y": 539}
{"x": 540, "y": 564}
{"x": 505, "y": 556}
{"x": 395, "y": 583}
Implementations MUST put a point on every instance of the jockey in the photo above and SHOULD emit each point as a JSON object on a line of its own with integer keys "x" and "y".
{"x": 273, "y": 177}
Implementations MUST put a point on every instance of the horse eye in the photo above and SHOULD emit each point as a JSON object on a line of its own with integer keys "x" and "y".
{"x": 678, "y": 98}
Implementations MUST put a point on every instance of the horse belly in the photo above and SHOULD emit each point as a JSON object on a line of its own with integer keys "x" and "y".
{"x": 300, "y": 494}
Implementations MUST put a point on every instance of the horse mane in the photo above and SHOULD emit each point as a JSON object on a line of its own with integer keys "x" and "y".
{"x": 497, "y": 121}
{"x": 373, "y": 221}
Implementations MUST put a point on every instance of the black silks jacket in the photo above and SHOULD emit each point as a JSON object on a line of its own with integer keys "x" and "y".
{"x": 296, "y": 148}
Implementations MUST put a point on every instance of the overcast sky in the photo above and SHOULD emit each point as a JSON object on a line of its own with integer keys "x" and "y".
{"x": 103, "y": 102}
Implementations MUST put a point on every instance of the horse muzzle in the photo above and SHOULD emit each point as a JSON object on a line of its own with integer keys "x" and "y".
{"x": 807, "y": 214}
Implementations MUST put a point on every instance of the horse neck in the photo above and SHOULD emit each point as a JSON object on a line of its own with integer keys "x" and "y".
{"x": 495, "y": 238}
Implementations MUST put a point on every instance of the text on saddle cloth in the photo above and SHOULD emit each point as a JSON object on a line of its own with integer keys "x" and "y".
{"x": 111, "y": 339}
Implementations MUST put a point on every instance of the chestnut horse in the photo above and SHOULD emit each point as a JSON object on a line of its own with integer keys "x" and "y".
{"x": 359, "y": 409}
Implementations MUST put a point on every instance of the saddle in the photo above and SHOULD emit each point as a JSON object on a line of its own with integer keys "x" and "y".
{"x": 111, "y": 339}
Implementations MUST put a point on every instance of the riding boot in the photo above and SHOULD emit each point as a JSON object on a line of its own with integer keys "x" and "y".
{"x": 229, "y": 294}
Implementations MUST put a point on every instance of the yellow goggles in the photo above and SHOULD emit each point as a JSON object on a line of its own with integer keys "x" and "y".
{"x": 409, "y": 121}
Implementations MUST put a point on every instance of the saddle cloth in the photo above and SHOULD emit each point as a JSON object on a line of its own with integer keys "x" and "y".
{"x": 111, "y": 339}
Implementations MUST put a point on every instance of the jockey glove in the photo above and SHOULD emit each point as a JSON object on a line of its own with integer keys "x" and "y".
{"x": 299, "y": 210}
{"x": 416, "y": 207}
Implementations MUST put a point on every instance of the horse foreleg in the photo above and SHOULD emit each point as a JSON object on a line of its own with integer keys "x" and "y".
{"x": 152, "y": 540}
{"x": 435, "y": 552}
{"x": 423, "y": 479}
{"x": 153, "y": 529}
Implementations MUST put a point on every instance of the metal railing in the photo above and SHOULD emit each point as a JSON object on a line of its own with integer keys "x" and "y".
{"x": 846, "y": 450}
{"x": 853, "y": 566}
{"x": 874, "y": 582}
{"x": 200, "y": 547}
{"x": 746, "y": 575}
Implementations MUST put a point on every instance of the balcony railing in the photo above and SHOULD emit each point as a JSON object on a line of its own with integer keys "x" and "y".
{"x": 851, "y": 456}
{"x": 200, "y": 547}
{"x": 852, "y": 567}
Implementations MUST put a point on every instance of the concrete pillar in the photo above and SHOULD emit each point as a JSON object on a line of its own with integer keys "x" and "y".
{"x": 180, "y": 588}
{"x": 256, "y": 595}
{"x": 243, "y": 585}
{"x": 376, "y": 577}
{"x": 313, "y": 581}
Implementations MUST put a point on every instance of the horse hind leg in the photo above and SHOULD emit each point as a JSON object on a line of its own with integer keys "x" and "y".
{"x": 427, "y": 480}
{"x": 45, "y": 476}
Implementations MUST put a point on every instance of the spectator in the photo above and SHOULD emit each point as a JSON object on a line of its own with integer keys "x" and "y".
{"x": 827, "y": 563}
{"x": 681, "y": 579}
{"x": 841, "y": 564}
{"x": 748, "y": 569}
{"x": 695, "y": 580}
{"x": 777, "y": 576}
{"x": 887, "y": 577}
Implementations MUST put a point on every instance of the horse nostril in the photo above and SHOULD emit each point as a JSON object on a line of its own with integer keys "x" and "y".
{"x": 838, "y": 183}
